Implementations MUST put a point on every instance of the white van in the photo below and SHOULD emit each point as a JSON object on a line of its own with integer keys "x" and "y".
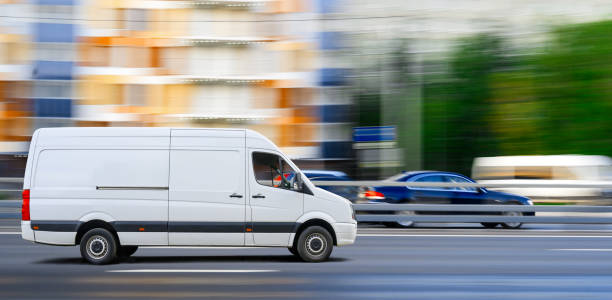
{"x": 111, "y": 190}
{"x": 546, "y": 169}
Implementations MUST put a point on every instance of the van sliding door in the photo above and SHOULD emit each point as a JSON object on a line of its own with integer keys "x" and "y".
{"x": 207, "y": 187}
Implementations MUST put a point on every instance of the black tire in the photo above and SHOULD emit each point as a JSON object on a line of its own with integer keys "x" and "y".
{"x": 404, "y": 224}
{"x": 99, "y": 246}
{"x": 293, "y": 251}
{"x": 515, "y": 225}
{"x": 315, "y": 244}
{"x": 126, "y": 251}
{"x": 489, "y": 225}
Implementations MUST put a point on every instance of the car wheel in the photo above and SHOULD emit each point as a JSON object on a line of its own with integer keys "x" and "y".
{"x": 489, "y": 225}
{"x": 293, "y": 251}
{"x": 99, "y": 246}
{"x": 404, "y": 224}
{"x": 126, "y": 251}
{"x": 512, "y": 225}
{"x": 315, "y": 244}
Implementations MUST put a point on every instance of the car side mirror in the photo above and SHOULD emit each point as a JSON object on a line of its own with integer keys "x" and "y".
{"x": 482, "y": 190}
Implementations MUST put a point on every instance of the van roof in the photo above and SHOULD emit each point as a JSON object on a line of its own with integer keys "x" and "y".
{"x": 543, "y": 160}
{"x": 256, "y": 138}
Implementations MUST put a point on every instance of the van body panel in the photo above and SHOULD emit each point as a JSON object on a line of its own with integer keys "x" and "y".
{"x": 207, "y": 187}
{"x": 143, "y": 238}
{"x": 120, "y": 174}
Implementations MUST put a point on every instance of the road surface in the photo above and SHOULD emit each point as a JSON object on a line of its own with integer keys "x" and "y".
{"x": 424, "y": 263}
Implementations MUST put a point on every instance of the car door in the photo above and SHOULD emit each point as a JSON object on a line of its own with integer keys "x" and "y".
{"x": 207, "y": 188}
{"x": 276, "y": 202}
{"x": 466, "y": 195}
{"x": 431, "y": 195}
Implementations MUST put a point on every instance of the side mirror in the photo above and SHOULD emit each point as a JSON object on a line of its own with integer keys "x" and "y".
{"x": 298, "y": 184}
{"x": 482, "y": 190}
{"x": 301, "y": 187}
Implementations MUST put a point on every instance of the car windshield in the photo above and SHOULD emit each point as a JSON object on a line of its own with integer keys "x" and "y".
{"x": 398, "y": 177}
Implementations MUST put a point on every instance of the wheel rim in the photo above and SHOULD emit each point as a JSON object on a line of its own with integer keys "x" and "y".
{"x": 97, "y": 247}
{"x": 512, "y": 214}
{"x": 316, "y": 244}
{"x": 405, "y": 223}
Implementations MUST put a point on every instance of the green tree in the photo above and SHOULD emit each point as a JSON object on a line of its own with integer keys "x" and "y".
{"x": 574, "y": 83}
{"x": 457, "y": 105}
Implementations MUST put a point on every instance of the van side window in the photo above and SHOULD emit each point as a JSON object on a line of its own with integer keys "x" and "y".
{"x": 271, "y": 170}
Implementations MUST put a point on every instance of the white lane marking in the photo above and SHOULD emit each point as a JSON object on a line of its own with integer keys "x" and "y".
{"x": 196, "y": 247}
{"x": 189, "y": 271}
{"x": 597, "y": 250}
{"x": 485, "y": 235}
{"x": 10, "y": 232}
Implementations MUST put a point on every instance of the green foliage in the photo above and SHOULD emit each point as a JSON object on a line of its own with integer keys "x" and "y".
{"x": 555, "y": 102}
{"x": 456, "y": 106}
{"x": 574, "y": 83}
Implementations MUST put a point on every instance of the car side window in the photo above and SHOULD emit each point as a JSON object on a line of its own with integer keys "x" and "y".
{"x": 457, "y": 179}
{"x": 433, "y": 178}
{"x": 271, "y": 170}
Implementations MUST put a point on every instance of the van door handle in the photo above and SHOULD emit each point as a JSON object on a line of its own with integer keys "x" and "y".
{"x": 235, "y": 195}
{"x": 259, "y": 196}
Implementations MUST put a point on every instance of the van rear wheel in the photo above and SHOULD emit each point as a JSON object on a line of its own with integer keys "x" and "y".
{"x": 315, "y": 244}
{"x": 99, "y": 246}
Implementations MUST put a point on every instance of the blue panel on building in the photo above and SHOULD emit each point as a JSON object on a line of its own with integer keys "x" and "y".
{"x": 54, "y": 33}
{"x": 327, "y": 6}
{"x": 374, "y": 134}
{"x": 336, "y": 149}
{"x": 58, "y": 70}
{"x": 56, "y": 108}
{"x": 333, "y": 76}
{"x": 331, "y": 40}
{"x": 335, "y": 113}
{"x": 55, "y": 2}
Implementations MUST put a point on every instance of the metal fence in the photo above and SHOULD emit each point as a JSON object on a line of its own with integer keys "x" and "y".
{"x": 482, "y": 213}
{"x": 438, "y": 213}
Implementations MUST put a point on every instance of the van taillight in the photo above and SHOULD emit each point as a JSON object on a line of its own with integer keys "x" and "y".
{"x": 25, "y": 205}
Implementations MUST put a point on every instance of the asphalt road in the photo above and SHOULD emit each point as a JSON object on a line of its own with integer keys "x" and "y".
{"x": 423, "y": 263}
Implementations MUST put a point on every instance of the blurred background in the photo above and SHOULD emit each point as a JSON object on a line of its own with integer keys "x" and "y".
{"x": 369, "y": 88}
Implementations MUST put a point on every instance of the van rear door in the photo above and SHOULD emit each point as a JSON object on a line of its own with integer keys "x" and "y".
{"x": 207, "y": 187}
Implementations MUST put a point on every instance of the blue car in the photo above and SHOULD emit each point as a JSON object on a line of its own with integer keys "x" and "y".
{"x": 349, "y": 192}
{"x": 443, "y": 195}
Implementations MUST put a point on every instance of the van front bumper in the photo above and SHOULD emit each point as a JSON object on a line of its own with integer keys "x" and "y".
{"x": 346, "y": 233}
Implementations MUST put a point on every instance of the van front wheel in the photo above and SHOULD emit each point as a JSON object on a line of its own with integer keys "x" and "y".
{"x": 99, "y": 246}
{"x": 315, "y": 244}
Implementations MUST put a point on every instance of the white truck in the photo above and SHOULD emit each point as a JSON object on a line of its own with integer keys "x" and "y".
{"x": 111, "y": 190}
